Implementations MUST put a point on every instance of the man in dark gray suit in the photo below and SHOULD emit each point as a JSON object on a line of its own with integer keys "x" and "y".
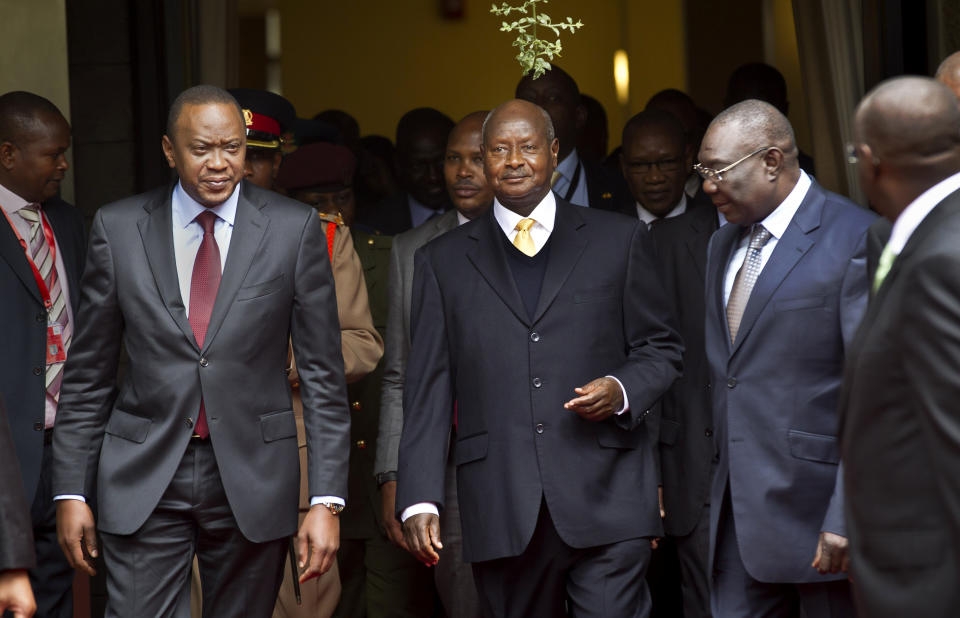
{"x": 202, "y": 282}
{"x": 899, "y": 417}
{"x": 472, "y": 197}
{"x": 785, "y": 290}
{"x": 541, "y": 328}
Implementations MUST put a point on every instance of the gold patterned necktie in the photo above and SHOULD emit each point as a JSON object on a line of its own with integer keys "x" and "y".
{"x": 746, "y": 278}
{"x": 523, "y": 240}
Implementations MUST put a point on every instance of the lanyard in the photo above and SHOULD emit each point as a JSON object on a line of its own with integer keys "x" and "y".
{"x": 48, "y": 236}
{"x": 573, "y": 183}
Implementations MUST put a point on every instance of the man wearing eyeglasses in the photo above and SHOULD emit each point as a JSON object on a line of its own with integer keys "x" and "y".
{"x": 786, "y": 288}
{"x": 656, "y": 162}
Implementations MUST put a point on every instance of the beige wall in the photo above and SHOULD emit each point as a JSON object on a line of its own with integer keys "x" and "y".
{"x": 33, "y": 55}
{"x": 380, "y": 58}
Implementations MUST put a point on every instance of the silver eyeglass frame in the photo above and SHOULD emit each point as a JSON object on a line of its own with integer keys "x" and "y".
{"x": 716, "y": 176}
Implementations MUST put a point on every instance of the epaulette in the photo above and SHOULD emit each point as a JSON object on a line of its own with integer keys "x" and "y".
{"x": 337, "y": 218}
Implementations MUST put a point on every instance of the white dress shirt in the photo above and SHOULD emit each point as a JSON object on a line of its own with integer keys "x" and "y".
{"x": 917, "y": 210}
{"x": 568, "y": 169}
{"x": 648, "y": 217}
{"x": 11, "y": 203}
{"x": 544, "y": 215}
{"x": 776, "y": 223}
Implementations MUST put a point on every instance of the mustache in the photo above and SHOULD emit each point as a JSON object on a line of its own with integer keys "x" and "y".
{"x": 514, "y": 174}
{"x": 464, "y": 184}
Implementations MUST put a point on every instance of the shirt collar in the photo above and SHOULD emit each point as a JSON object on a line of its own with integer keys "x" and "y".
{"x": 544, "y": 214}
{"x": 917, "y": 210}
{"x": 648, "y": 217}
{"x": 461, "y": 219}
{"x": 186, "y": 209}
{"x": 777, "y": 221}
{"x": 10, "y": 201}
{"x": 568, "y": 166}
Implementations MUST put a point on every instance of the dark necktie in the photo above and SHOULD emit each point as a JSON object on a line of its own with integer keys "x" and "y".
{"x": 203, "y": 293}
{"x": 746, "y": 278}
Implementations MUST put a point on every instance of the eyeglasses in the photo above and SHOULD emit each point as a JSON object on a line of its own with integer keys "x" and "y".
{"x": 663, "y": 165}
{"x": 716, "y": 176}
{"x": 852, "y": 155}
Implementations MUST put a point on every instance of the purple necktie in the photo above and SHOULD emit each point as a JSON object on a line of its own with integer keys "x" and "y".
{"x": 203, "y": 293}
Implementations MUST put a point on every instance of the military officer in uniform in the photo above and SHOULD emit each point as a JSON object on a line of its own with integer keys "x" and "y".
{"x": 377, "y": 578}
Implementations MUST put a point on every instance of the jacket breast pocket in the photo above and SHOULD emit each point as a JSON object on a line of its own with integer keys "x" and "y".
{"x": 128, "y": 426}
{"x": 257, "y": 290}
{"x": 813, "y": 446}
{"x": 596, "y": 294}
{"x": 796, "y": 304}
{"x": 471, "y": 448}
{"x": 278, "y": 425}
{"x": 611, "y": 436}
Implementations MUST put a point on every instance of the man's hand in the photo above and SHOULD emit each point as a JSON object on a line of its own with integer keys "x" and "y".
{"x": 388, "y": 506}
{"x": 317, "y": 542}
{"x": 77, "y": 534}
{"x": 832, "y": 554}
{"x": 16, "y": 596}
{"x": 598, "y": 399}
{"x": 422, "y": 534}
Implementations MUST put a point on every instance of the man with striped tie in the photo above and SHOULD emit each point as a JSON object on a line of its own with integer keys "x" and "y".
{"x": 42, "y": 245}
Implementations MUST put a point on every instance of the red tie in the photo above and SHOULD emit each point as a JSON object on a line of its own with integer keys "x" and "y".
{"x": 203, "y": 292}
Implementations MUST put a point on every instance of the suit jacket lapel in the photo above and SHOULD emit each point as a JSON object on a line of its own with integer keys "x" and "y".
{"x": 488, "y": 257}
{"x": 12, "y": 252}
{"x": 249, "y": 226}
{"x": 725, "y": 243}
{"x": 566, "y": 248}
{"x": 156, "y": 231}
{"x": 796, "y": 241}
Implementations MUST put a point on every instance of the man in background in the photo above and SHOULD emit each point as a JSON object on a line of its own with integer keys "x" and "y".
{"x": 42, "y": 247}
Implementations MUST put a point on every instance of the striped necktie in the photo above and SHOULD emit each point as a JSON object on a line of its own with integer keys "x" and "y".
{"x": 44, "y": 260}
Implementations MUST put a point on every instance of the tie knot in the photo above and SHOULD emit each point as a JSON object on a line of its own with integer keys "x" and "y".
{"x": 30, "y": 212}
{"x": 759, "y": 237}
{"x": 524, "y": 225}
{"x": 207, "y": 219}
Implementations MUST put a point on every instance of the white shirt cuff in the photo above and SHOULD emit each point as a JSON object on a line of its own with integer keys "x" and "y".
{"x": 626, "y": 400}
{"x": 416, "y": 509}
{"x": 69, "y": 497}
{"x": 328, "y": 499}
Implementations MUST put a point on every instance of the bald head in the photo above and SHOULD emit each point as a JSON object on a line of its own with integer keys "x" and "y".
{"x": 948, "y": 73}
{"x": 758, "y": 124}
{"x": 524, "y": 108}
{"x": 909, "y": 120}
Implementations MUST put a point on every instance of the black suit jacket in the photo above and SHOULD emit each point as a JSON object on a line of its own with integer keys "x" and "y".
{"x": 686, "y": 423}
{"x": 601, "y": 311}
{"x": 16, "y": 531}
{"x": 900, "y": 430}
{"x": 23, "y": 352}
{"x": 276, "y": 284}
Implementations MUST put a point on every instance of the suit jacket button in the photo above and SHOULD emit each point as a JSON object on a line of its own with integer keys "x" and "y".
{"x": 708, "y": 433}
{"x": 539, "y": 427}
{"x": 361, "y": 444}
{"x": 537, "y": 383}
{"x": 188, "y": 421}
{"x": 37, "y": 371}
{"x": 38, "y": 426}
{"x": 534, "y": 336}
{"x": 204, "y": 362}
{"x": 731, "y": 382}
{"x": 355, "y": 406}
